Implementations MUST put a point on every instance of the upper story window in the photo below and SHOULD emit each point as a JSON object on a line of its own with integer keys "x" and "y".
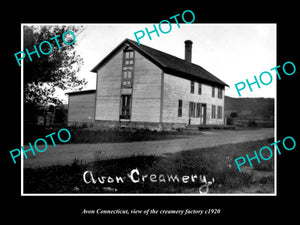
{"x": 192, "y": 87}
{"x": 128, "y": 57}
{"x": 220, "y": 93}
{"x": 127, "y": 68}
{"x": 213, "y": 91}
{"x": 199, "y": 89}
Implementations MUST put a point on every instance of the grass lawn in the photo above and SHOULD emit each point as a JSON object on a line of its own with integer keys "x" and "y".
{"x": 119, "y": 135}
{"x": 80, "y": 135}
{"x": 215, "y": 162}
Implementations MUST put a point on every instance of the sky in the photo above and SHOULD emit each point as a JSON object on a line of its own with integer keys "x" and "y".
{"x": 232, "y": 52}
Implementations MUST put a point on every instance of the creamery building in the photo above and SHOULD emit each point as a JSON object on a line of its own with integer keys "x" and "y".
{"x": 142, "y": 87}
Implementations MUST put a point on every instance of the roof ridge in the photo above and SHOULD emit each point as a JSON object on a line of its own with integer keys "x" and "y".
{"x": 167, "y": 62}
{"x": 145, "y": 46}
{"x": 166, "y": 53}
{"x": 177, "y": 58}
{"x": 161, "y": 52}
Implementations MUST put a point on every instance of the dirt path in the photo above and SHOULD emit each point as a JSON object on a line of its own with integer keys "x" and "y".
{"x": 65, "y": 154}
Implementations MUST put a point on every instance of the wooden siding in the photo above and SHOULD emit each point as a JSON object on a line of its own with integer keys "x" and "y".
{"x": 176, "y": 88}
{"x": 148, "y": 83}
{"x": 108, "y": 89}
{"x": 146, "y": 90}
{"x": 81, "y": 108}
{"x": 146, "y": 93}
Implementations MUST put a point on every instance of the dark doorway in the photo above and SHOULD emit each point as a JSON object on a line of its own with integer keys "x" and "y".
{"x": 125, "y": 107}
{"x": 203, "y": 114}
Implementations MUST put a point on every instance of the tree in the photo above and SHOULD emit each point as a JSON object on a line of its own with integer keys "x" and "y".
{"x": 57, "y": 70}
{"x": 233, "y": 114}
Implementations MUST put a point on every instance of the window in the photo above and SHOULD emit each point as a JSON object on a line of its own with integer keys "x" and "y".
{"x": 128, "y": 57}
{"x": 192, "y": 87}
{"x": 127, "y": 78}
{"x": 213, "y": 112}
{"x": 125, "y": 106}
{"x": 198, "y": 110}
{"x": 213, "y": 91}
{"x": 199, "y": 89}
{"x": 127, "y": 69}
{"x": 220, "y": 112}
{"x": 220, "y": 91}
{"x": 192, "y": 109}
{"x": 179, "y": 107}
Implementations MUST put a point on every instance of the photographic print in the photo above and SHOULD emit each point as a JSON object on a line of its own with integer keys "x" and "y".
{"x": 139, "y": 109}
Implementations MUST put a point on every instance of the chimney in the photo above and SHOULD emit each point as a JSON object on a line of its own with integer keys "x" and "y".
{"x": 188, "y": 50}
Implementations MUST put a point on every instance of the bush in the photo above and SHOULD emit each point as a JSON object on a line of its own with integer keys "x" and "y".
{"x": 252, "y": 123}
{"x": 233, "y": 114}
{"x": 229, "y": 121}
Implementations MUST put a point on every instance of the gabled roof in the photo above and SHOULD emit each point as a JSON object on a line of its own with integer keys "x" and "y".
{"x": 168, "y": 63}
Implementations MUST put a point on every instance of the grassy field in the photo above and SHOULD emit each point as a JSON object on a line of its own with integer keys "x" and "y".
{"x": 215, "y": 162}
{"x": 80, "y": 135}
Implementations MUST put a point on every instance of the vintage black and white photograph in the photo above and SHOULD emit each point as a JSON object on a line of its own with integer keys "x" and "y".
{"x": 130, "y": 109}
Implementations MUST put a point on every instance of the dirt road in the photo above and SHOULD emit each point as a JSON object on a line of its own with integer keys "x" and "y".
{"x": 65, "y": 154}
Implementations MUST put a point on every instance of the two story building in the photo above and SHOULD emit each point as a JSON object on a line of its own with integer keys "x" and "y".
{"x": 139, "y": 86}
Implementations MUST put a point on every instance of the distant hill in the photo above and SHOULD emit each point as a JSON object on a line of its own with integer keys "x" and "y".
{"x": 258, "y": 108}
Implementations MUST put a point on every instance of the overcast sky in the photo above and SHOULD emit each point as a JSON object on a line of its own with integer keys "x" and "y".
{"x": 232, "y": 52}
